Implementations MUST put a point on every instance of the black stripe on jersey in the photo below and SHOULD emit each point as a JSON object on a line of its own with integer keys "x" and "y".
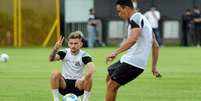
{"x": 61, "y": 54}
{"x": 142, "y": 23}
{"x": 86, "y": 59}
{"x": 133, "y": 24}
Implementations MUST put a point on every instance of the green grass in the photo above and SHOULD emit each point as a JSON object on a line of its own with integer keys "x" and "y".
{"x": 25, "y": 77}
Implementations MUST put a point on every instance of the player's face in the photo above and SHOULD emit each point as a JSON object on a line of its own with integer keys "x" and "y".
{"x": 75, "y": 44}
{"x": 122, "y": 12}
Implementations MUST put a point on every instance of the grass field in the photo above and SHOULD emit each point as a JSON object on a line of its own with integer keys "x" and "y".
{"x": 26, "y": 76}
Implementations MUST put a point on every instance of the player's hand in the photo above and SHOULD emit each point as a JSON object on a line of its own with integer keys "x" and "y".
{"x": 111, "y": 57}
{"x": 156, "y": 73}
{"x": 59, "y": 43}
{"x": 79, "y": 84}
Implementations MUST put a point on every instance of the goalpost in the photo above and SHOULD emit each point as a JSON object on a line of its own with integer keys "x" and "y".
{"x": 17, "y": 24}
{"x": 56, "y": 25}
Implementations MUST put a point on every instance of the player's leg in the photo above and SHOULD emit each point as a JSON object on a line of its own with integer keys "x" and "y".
{"x": 107, "y": 78}
{"x": 56, "y": 81}
{"x": 120, "y": 74}
{"x": 112, "y": 88}
{"x": 87, "y": 89}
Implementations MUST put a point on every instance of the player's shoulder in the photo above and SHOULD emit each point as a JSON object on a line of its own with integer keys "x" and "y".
{"x": 136, "y": 17}
{"x": 84, "y": 53}
{"x": 137, "y": 20}
{"x": 65, "y": 50}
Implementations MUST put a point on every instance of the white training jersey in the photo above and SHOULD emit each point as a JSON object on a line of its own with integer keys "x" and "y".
{"x": 138, "y": 54}
{"x": 73, "y": 65}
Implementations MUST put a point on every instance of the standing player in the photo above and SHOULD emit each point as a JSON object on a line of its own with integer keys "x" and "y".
{"x": 72, "y": 79}
{"x": 138, "y": 44}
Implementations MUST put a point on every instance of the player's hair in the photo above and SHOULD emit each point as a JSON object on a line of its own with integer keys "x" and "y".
{"x": 75, "y": 35}
{"x": 124, "y": 3}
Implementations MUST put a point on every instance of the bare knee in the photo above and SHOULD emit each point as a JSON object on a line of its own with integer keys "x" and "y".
{"x": 112, "y": 85}
{"x": 55, "y": 75}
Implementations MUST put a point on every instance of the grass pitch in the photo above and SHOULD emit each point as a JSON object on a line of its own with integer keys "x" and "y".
{"x": 25, "y": 77}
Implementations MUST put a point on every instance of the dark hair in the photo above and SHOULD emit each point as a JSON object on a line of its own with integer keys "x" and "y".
{"x": 124, "y": 3}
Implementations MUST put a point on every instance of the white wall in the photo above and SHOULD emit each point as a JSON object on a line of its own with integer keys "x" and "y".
{"x": 77, "y": 10}
{"x": 171, "y": 30}
{"x": 117, "y": 29}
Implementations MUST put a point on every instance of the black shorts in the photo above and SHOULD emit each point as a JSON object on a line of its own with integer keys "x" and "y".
{"x": 71, "y": 88}
{"x": 123, "y": 73}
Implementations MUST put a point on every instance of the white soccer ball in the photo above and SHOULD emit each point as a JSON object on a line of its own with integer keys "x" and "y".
{"x": 4, "y": 57}
{"x": 71, "y": 97}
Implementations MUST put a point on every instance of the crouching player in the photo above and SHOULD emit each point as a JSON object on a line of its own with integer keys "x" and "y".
{"x": 72, "y": 79}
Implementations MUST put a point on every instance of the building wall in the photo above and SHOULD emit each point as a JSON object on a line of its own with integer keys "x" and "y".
{"x": 170, "y": 9}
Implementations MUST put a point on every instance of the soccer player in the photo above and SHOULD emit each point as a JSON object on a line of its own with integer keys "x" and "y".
{"x": 72, "y": 79}
{"x": 138, "y": 45}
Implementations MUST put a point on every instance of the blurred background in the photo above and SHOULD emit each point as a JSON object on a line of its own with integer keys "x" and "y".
{"x": 38, "y": 23}
{"x": 30, "y": 28}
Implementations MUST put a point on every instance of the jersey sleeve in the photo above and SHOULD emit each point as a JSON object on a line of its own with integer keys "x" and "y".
{"x": 136, "y": 22}
{"x": 62, "y": 54}
{"x": 86, "y": 58}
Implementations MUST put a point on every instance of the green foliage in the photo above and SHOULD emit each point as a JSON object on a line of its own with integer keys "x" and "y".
{"x": 26, "y": 76}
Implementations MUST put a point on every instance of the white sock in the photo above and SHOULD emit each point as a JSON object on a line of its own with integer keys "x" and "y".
{"x": 55, "y": 94}
{"x": 86, "y": 96}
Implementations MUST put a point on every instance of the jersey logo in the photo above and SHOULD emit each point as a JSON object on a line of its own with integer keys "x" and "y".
{"x": 77, "y": 63}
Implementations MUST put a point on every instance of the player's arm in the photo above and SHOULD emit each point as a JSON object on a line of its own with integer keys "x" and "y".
{"x": 90, "y": 68}
{"x": 155, "y": 54}
{"x": 54, "y": 56}
{"x": 135, "y": 33}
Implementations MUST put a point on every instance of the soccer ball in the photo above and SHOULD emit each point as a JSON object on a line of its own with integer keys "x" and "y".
{"x": 71, "y": 97}
{"x": 4, "y": 57}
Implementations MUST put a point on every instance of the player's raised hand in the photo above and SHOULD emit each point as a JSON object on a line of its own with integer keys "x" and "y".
{"x": 156, "y": 73}
{"x": 111, "y": 57}
{"x": 59, "y": 43}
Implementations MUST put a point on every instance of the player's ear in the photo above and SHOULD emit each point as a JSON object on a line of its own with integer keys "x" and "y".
{"x": 81, "y": 43}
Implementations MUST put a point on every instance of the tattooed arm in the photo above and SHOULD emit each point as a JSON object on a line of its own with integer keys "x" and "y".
{"x": 54, "y": 56}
